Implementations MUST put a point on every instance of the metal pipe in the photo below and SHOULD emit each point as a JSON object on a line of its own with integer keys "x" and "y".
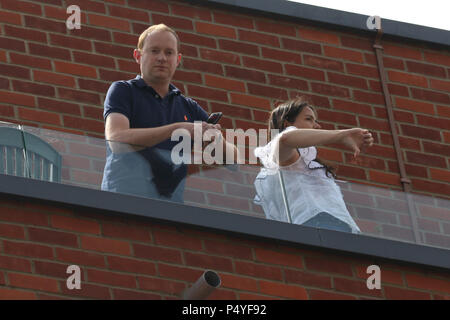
{"x": 406, "y": 182}
{"x": 203, "y": 287}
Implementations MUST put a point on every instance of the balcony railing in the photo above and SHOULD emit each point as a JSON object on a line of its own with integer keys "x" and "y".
{"x": 80, "y": 161}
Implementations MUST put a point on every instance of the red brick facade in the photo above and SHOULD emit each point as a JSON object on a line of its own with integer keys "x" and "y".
{"x": 125, "y": 258}
{"x": 240, "y": 64}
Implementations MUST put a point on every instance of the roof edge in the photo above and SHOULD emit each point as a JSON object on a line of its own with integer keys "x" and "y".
{"x": 332, "y": 17}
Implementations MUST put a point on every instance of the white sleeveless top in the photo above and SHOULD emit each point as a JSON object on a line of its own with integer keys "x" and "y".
{"x": 308, "y": 192}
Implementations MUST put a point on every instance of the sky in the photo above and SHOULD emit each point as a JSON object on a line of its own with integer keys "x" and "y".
{"x": 430, "y": 13}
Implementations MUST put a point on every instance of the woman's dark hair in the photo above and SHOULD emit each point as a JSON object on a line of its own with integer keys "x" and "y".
{"x": 288, "y": 111}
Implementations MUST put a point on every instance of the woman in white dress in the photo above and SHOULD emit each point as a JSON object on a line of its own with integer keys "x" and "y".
{"x": 293, "y": 185}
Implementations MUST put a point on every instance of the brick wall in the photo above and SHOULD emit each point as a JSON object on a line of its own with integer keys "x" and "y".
{"x": 55, "y": 78}
{"x": 125, "y": 258}
{"x": 242, "y": 65}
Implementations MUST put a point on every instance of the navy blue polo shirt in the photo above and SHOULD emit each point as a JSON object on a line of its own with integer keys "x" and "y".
{"x": 144, "y": 108}
{"x": 148, "y": 172}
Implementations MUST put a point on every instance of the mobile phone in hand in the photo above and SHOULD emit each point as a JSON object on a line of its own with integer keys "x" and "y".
{"x": 214, "y": 117}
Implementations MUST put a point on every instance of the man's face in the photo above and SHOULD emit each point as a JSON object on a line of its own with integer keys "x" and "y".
{"x": 159, "y": 57}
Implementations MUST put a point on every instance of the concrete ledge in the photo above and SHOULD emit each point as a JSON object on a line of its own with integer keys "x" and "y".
{"x": 268, "y": 230}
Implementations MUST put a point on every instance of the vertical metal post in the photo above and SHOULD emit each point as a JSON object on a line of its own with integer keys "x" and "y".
{"x": 25, "y": 154}
{"x": 283, "y": 193}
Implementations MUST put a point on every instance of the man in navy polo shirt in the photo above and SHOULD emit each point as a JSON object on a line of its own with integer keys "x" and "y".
{"x": 140, "y": 116}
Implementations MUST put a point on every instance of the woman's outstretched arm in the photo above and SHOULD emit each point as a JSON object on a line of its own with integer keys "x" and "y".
{"x": 356, "y": 139}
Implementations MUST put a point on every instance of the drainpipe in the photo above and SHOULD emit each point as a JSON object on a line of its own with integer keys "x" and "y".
{"x": 203, "y": 287}
{"x": 406, "y": 182}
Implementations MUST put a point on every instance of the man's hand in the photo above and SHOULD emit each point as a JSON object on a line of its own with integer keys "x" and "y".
{"x": 216, "y": 137}
{"x": 190, "y": 127}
